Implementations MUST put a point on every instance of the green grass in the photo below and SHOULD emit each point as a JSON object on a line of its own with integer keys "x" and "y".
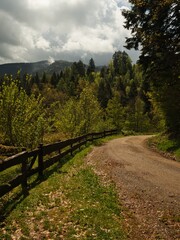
{"x": 12, "y": 172}
{"x": 164, "y": 144}
{"x": 9, "y": 174}
{"x": 72, "y": 203}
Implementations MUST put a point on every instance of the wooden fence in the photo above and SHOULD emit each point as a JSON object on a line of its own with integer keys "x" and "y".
{"x": 42, "y": 156}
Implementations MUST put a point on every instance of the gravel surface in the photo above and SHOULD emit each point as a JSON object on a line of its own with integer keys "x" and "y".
{"x": 148, "y": 185}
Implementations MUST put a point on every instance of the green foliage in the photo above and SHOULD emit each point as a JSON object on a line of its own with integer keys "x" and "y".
{"x": 104, "y": 92}
{"x": 136, "y": 120}
{"x": 157, "y": 119}
{"x": 115, "y": 112}
{"x": 90, "y": 111}
{"x": 155, "y": 27}
{"x": 123, "y": 112}
{"x": 78, "y": 69}
{"x": 120, "y": 87}
{"x": 21, "y": 116}
{"x": 166, "y": 144}
{"x": 132, "y": 94}
{"x": 78, "y": 117}
{"x": 122, "y": 63}
{"x": 77, "y": 101}
{"x": 67, "y": 118}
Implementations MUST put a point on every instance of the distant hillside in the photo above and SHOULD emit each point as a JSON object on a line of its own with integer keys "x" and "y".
{"x": 32, "y": 68}
{"x": 57, "y": 66}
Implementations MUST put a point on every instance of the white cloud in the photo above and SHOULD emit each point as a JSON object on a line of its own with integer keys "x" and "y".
{"x": 38, "y": 4}
{"x": 123, "y": 3}
{"x": 50, "y": 60}
{"x": 33, "y": 30}
{"x": 42, "y": 43}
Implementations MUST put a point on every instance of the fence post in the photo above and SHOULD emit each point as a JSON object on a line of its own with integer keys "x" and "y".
{"x": 40, "y": 160}
{"x": 104, "y": 133}
{"x": 79, "y": 146}
{"x": 59, "y": 148}
{"x": 86, "y": 138}
{"x": 71, "y": 149}
{"x": 92, "y": 137}
{"x": 24, "y": 177}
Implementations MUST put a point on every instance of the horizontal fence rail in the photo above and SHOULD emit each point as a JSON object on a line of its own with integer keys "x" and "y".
{"x": 40, "y": 159}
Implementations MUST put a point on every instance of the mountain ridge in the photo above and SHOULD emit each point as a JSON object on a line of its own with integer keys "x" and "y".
{"x": 33, "y": 67}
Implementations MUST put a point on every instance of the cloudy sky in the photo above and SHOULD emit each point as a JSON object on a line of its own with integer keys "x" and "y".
{"x": 34, "y": 30}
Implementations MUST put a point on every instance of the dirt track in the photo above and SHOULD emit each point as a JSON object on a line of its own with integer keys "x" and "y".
{"x": 148, "y": 186}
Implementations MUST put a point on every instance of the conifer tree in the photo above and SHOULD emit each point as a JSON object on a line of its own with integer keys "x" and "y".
{"x": 156, "y": 30}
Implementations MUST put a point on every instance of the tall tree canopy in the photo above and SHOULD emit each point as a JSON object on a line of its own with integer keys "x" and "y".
{"x": 122, "y": 63}
{"x": 155, "y": 30}
{"x": 91, "y": 66}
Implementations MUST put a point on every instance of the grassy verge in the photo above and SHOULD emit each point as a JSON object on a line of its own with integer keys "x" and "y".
{"x": 71, "y": 204}
{"x": 169, "y": 147}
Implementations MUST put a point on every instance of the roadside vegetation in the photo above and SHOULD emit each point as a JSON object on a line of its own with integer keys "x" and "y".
{"x": 71, "y": 204}
{"x": 166, "y": 145}
{"x": 155, "y": 32}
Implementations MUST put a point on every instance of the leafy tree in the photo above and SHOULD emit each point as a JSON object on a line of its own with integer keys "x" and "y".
{"x": 142, "y": 122}
{"x": 77, "y": 117}
{"x": 120, "y": 87}
{"x": 103, "y": 72}
{"x": 90, "y": 111}
{"x": 156, "y": 30}
{"x": 21, "y": 116}
{"x": 110, "y": 70}
{"x": 115, "y": 112}
{"x": 51, "y": 95}
{"x": 133, "y": 92}
{"x": 68, "y": 82}
{"x": 145, "y": 96}
{"x": 104, "y": 92}
{"x": 26, "y": 83}
{"x": 67, "y": 118}
{"x": 136, "y": 120}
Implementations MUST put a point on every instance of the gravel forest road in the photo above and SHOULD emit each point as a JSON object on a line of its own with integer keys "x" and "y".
{"x": 148, "y": 185}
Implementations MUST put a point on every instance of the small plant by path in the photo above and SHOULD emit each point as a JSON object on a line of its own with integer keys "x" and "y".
{"x": 166, "y": 146}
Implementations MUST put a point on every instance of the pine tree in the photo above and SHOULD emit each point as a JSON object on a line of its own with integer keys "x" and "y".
{"x": 156, "y": 30}
{"x": 104, "y": 92}
{"x": 91, "y": 67}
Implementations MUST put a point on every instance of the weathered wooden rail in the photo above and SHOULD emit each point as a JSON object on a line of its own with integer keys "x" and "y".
{"x": 41, "y": 156}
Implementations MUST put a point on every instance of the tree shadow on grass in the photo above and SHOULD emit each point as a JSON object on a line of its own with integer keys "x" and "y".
{"x": 10, "y": 201}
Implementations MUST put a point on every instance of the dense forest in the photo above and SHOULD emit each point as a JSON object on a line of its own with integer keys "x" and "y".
{"x": 142, "y": 97}
{"x": 155, "y": 30}
{"x": 76, "y": 101}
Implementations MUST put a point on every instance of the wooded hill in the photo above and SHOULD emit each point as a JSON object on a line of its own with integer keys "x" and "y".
{"x": 76, "y": 101}
{"x": 34, "y": 67}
